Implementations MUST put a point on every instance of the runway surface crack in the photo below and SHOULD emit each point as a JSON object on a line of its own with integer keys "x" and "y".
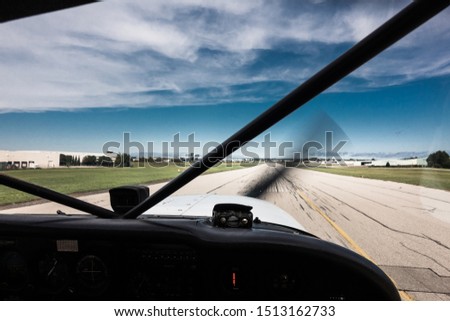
{"x": 374, "y": 219}
{"x": 424, "y": 255}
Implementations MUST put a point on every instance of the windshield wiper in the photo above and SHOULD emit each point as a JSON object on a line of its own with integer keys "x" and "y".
{"x": 55, "y": 196}
{"x": 18, "y": 9}
{"x": 390, "y": 32}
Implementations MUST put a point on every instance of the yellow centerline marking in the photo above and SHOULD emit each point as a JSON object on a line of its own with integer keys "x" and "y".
{"x": 353, "y": 244}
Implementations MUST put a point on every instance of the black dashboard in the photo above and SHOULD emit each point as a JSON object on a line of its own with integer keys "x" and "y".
{"x": 51, "y": 257}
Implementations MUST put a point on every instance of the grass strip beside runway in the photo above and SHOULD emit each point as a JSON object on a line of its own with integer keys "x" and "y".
{"x": 427, "y": 177}
{"x": 86, "y": 180}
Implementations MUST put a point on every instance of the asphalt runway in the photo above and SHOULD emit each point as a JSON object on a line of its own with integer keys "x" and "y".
{"x": 404, "y": 229}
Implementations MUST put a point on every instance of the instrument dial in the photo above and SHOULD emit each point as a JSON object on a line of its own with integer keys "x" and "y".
{"x": 13, "y": 271}
{"x": 92, "y": 273}
{"x": 54, "y": 273}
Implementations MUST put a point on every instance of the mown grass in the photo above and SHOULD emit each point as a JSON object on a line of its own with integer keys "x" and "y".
{"x": 427, "y": 177}
{"x": 83, "y": 180}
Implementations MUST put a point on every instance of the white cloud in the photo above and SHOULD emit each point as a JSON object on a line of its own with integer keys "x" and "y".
{"x": 100, "y": 54}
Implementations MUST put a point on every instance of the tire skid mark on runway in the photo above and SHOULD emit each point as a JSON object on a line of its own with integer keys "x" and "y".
{"x": 325, "y": 200}
{"x": 226, "y": 183}
{"x": 364, "y": 198}
{"x": 328, "y": 208}
{"x": 338, "y": 238}
{"x": 309, "y": 215}
{"x": 353, "y": 244}
{"x": 295, "y": 188}
{"x": 296, "y": 201}
{"x": 374, "y": 219}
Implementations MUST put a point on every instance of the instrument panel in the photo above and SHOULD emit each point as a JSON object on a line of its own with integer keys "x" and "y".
{"x": 176, "y": 259}
{"x": 35, "y": 268}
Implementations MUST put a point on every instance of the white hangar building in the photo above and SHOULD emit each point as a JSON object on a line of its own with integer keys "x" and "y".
{"x": 35, "y": 159}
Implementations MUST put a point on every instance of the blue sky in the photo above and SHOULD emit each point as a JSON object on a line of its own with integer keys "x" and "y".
{"x": 75, "y": 79}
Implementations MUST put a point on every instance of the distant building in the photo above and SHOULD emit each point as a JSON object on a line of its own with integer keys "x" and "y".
{"x": 35, "y": 159}
{"x": 352, "y": 163}
{"x": 414, "y": 162}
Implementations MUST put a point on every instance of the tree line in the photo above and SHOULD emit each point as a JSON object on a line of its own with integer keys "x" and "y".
{"x": 439, "y": 159}
{"x": 69, "y": 160}
{"x": 121, "y": 160}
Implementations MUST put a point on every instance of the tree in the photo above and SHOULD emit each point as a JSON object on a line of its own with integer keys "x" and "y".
{"x": 66, "y": 160}
{"x": 105, "y": 161}
{"x": 62, "y": 160}
{"x": 439, "y": 159}
{"x": 89, "y": 160}
{"x": 122, "y": 160}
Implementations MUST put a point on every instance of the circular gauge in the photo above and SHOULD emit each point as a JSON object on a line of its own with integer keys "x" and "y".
{"x": 54, "y": 273}
{"x": 13, "y": 271}
{"x": 92, "y": 273}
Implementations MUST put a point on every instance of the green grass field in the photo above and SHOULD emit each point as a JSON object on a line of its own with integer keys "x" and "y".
{"x": 427, "y": 177}
{"x": 83, "y": 180}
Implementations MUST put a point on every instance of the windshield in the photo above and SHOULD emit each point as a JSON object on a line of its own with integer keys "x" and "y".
{"x": 134, "y": 93}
